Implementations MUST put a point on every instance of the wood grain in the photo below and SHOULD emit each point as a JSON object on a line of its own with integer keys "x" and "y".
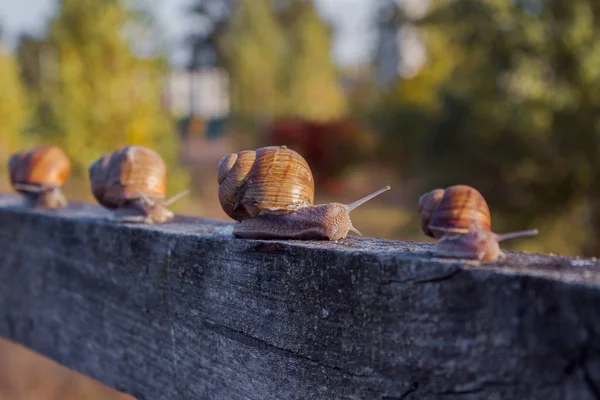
{"x": 185, "y": 311}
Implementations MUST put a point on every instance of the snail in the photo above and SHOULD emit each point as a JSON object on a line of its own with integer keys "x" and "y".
{"x": 270, "y": 191}
{"x": 39, "y": 174}
{"x": 476, "y": 245}
{"x": 132, "y": 181}
{"x": 460, "y": 217}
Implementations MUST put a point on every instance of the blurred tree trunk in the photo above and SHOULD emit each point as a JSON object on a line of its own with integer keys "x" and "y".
{"x": 253, "y": 48}
{"x": 13, "y": 110}
{"x": 310, "y": 79}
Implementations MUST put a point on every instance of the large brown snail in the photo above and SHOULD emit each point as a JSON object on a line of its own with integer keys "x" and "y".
{"x": 132, "y": 181}
{"x": 40, "y": 174}
{"x": 460, "y": 217}
{"x": 271, "y": 192}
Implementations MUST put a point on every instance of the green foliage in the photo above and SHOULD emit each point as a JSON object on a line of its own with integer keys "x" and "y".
{"x": 253, "y": 48}
{"x": 103, "y": 96}
{"x": 518, "y": 114}
{"x": 278, "y": 67}
{"x": 13, "y": 111}
{"x": 32, "y": 54}
{"x": 312, "y": 88}
{"x": 407, "y": 113}
{"x": 89, "y": 90}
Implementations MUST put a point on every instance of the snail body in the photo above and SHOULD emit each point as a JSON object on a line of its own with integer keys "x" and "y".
{"x": 460, "y": 217}
{"x": 321, "y": 222}
{"x": 132, "y": 181}
{"x": 39, "y": 174}
{"x": 270, "y": 191}
{"x": 324, "y": 222}
{"x": 476, "y": 245}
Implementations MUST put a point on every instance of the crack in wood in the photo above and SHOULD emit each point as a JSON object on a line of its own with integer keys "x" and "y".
{"x": 249, "y": 340}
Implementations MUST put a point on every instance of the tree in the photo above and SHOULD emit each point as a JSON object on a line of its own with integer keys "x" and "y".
{"x": 204, "y": 42}
{"x": 32, "y": 53}
{"x": 277, "y": 53}
{"x": 310, "y": 78}
{"x": 253, "y": 49}
{"x": 520, "y": 115}
{"x": 99, "y": 94}
{"x": 13, "y": 111}
{"x": 408, "y": 107}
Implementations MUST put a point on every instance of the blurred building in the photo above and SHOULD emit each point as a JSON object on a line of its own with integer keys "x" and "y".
{"x": 387, "y": 57}
{"x": 203, "y": 93}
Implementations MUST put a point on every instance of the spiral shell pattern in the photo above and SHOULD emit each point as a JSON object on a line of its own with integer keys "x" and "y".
{"x": 457, "y": 209}
{"x": 270, "y": 179}
{"x": 44, "y": 166}
{"x": 117, "y": 177}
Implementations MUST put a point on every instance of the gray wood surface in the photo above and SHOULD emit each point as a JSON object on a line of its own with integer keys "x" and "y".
{"x": 185, "y": 311}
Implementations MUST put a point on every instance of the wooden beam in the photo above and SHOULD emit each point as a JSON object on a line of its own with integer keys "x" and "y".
{"x": 185, "y": 311}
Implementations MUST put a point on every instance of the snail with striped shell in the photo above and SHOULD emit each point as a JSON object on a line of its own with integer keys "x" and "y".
{"x": 270, "y": 191}
{"x": 460, "y": 217}
{"x": 132, "y": 181}
{"x": 39, "y": 174}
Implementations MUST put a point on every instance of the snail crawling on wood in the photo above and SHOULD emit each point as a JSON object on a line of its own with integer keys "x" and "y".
{"x": 40, "y": 174}
{"x": 270, "y": 191}
{"x": 460, "y": 217}
{"x": 133, "y": 181}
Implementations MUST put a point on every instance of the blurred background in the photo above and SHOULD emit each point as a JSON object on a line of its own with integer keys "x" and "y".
{"x": 503, "y": 95}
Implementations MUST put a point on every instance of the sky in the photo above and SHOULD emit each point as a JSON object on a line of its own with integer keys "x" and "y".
{"x": 352, "y": 43}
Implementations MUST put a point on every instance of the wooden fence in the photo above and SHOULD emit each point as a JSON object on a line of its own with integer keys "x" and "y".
{"x": 185, "y": 311}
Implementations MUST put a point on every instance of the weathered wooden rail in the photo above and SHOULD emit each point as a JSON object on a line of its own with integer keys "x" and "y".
{"x": 185, "y": 311}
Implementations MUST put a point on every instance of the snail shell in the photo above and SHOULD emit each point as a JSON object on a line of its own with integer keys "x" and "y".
{"x": 132, "y": 180}
{"x": 118, "y": 177}
{"x": 40, "y": 173}
{"x": 457, "y": 209}
{"x": 270, "y": 179}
